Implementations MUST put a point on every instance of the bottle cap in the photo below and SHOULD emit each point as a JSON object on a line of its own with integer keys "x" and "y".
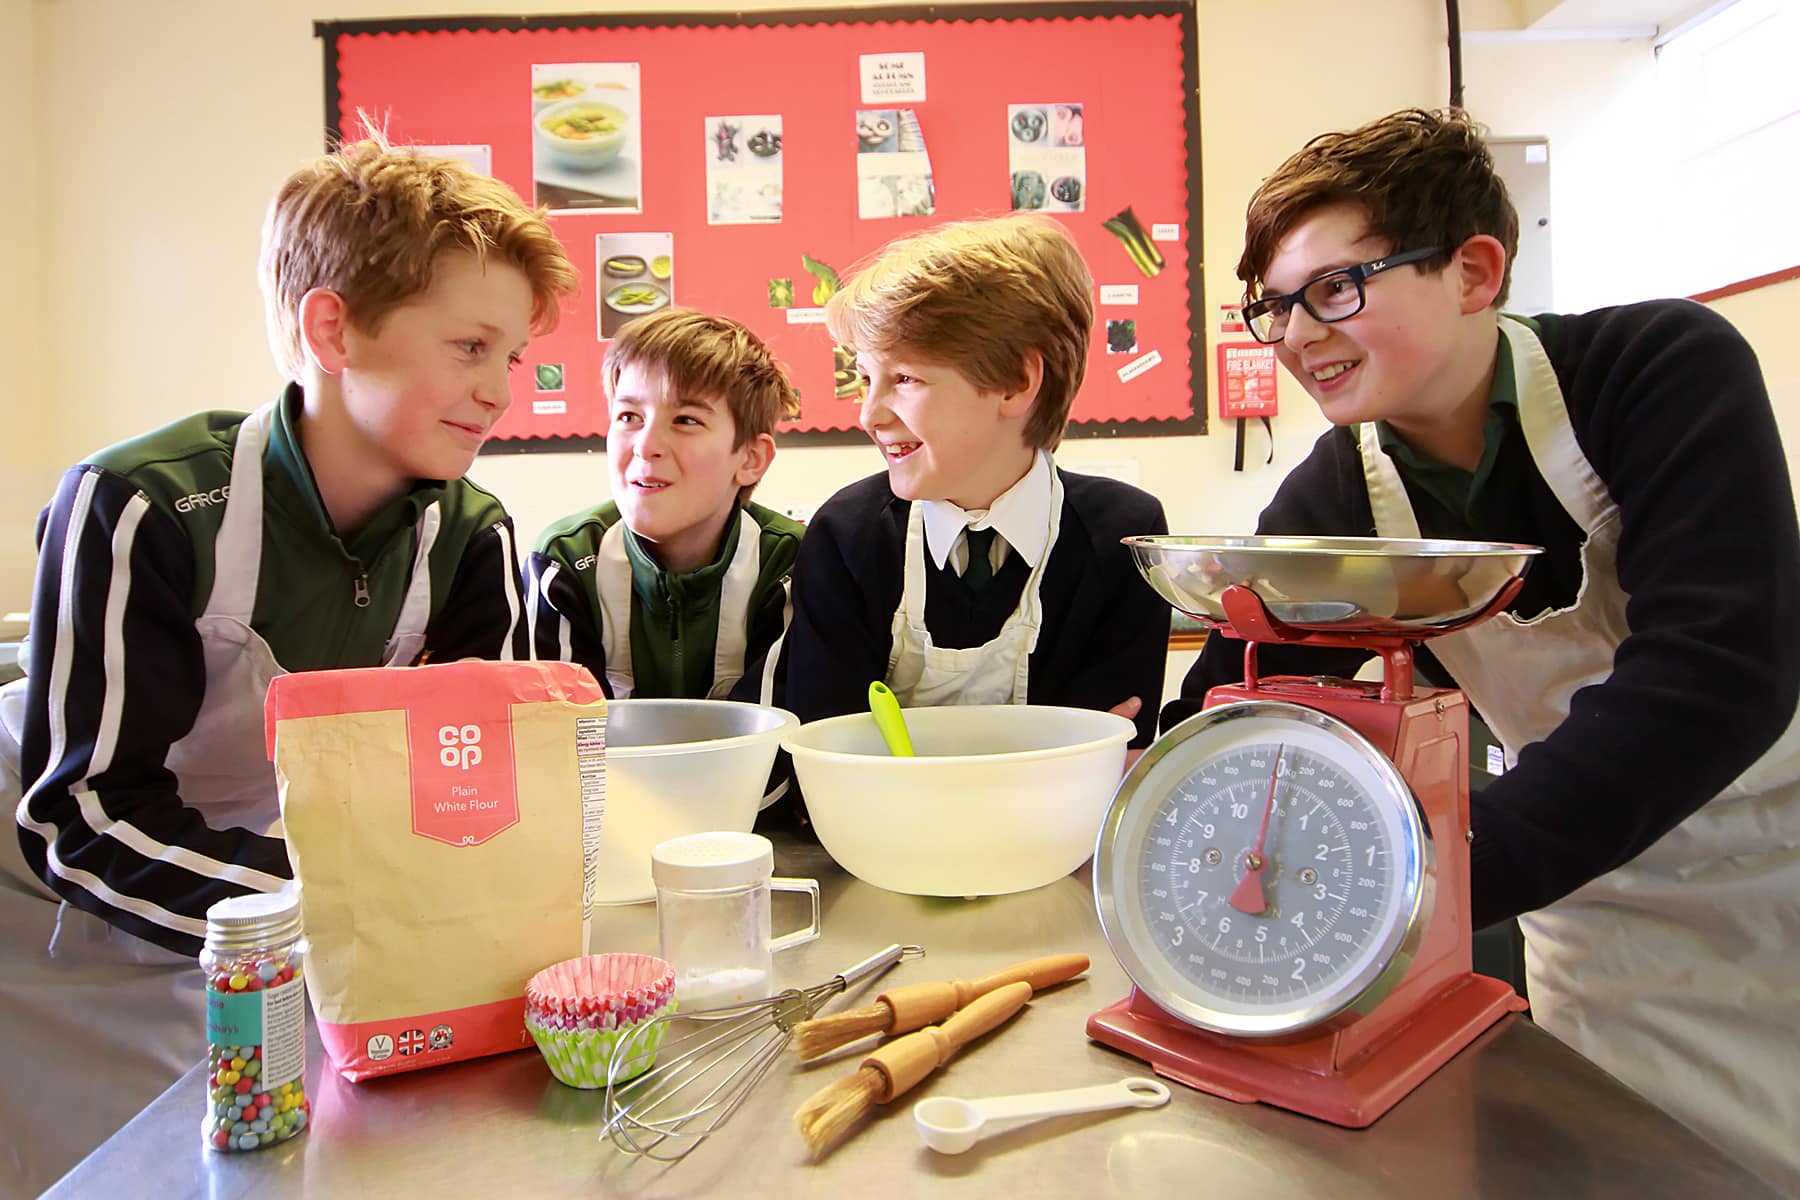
{"x": 703, "y": 862}
{"x": 244, "y": 922}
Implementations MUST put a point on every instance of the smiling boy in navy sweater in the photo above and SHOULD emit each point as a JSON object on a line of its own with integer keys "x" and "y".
{"x": 973, "y": 570}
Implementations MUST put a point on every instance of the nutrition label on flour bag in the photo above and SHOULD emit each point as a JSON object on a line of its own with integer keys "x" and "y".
{"x": 590, "y": 760}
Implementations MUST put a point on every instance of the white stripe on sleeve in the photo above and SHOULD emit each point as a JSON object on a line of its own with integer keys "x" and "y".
{"x": 62, "y": 646}
{"x": 178, "y": 856}
{"x": 96, "y": 887}
{"x": 533, "y": 597}
{"x": 767, "y": 697}
{"x": 118, "y": 592}
{"x": 542, "y": 583}
{"x": 510, "y": 582}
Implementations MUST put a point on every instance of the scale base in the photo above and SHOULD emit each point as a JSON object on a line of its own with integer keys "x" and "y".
{"x": 1301, "y": 1077}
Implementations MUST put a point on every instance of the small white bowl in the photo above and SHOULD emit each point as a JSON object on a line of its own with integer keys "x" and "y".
{"x": 582, "y": 151}
{"x": 999, "y": 798}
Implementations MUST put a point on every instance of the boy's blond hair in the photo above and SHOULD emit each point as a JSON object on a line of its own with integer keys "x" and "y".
{"x": 706, "y": 355}
{"x": 368, "y": 221}
{"x": 1424, "y": 177}
{"x": 979, "y": 296}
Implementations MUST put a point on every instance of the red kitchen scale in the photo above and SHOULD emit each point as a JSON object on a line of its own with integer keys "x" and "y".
{"x": 1285, "y": 875}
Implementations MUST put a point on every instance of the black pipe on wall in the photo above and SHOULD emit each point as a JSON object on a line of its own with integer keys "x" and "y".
{"x": 1456, "y": 85}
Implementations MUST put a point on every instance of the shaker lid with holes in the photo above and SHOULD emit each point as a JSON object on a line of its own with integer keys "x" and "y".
{"x": 712, "y": 861}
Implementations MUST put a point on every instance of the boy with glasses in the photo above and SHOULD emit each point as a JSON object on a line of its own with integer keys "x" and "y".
{"x": 1644, "y": 681}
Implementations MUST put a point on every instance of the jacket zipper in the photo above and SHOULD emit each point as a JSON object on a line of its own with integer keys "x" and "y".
{"x": 675, "y": 640}
{"x": 362, "y": 590}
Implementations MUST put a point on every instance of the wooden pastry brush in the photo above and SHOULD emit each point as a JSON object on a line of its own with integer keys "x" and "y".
{"x": 903, "y": 1010}
{"x": 896, "y": 1066}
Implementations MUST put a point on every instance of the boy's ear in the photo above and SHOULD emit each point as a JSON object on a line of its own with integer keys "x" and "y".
{"x": 325, "y": 329}
{"x": 755, "y": 456}
{"x": 1019, "y": 403}
{"x": 1480, "y": 264}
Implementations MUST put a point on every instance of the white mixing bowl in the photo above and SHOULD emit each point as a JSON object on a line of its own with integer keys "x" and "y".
{"x": 1000, "y": 798}
{"x": 675, "y": 767}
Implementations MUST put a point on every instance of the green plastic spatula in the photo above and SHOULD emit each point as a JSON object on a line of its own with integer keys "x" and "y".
{"x": 886, "y": 708}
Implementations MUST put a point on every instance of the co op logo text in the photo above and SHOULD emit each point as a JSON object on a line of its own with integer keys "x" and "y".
{"x": 459, "y": 746}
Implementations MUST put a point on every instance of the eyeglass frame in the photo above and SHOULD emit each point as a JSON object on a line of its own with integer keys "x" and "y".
{"x": 1359, "y": 275}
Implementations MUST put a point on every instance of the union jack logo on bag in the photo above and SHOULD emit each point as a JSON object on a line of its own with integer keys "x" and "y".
{"x": 412, "y": 1042}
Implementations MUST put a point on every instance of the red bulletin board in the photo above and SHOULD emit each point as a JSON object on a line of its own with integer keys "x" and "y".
{"x": 1130, "y": 67}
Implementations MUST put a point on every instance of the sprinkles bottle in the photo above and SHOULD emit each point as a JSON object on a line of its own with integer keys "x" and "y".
{"x": 255, "y": 1022}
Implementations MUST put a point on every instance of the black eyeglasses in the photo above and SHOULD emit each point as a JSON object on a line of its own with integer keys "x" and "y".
{"x": 1334, "y": 296}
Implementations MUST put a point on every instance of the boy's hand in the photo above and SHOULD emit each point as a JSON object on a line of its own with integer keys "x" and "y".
{"x": 1129, "y": 709}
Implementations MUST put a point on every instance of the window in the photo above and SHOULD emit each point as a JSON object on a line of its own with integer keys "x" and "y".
{"x": 1730, "y": 97}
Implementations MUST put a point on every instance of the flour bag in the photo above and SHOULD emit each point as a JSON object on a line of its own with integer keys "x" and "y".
{"x": 442, "y": 822}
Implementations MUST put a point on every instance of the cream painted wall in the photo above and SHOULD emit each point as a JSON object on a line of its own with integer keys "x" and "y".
{"x": 154, "y": 242}
{"x": 30, "y": 422}
{"x": 1766, "y": 317}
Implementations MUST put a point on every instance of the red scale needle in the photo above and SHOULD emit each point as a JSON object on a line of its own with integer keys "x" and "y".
{"x": 1248, "y": 897}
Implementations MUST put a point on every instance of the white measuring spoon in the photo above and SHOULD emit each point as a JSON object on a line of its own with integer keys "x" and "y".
{"x": 951, "y": 1126}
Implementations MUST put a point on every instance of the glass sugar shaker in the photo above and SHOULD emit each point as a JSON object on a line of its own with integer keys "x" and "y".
{"x": 255, "y": 1022}
{"x": 712, "y": 912}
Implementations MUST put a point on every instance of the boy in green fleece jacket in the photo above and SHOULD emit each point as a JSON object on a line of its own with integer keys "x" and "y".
{"x": 678, "y": 587}
{"x": 181, "y": 571}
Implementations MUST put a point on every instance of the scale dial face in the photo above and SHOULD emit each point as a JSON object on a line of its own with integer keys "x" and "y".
{"x": 1258, "y": 929}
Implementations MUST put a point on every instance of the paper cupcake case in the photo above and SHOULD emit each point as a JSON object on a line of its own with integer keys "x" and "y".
{"x": 578, "y": 1011}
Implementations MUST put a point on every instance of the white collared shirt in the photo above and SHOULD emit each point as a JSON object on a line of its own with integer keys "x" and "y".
{"x": 1020, "y": 517}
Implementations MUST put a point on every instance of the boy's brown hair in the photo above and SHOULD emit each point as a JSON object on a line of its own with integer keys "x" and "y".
{"x": 1425, "y": 178}
{"x": 368, "y": 221}
{"x": 979, "y": 296}
{"x": 705, "y": 355}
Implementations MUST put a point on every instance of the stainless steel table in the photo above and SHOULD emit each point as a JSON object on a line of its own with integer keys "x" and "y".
{"x": 1516, "y": 1114}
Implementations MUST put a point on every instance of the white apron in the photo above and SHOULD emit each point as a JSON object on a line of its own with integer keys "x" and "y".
{"x": 924, "y": 675}
{"x": 101, "y": 998}
{"x": 1679, "y": 972}
{"x": 612, "y": 583}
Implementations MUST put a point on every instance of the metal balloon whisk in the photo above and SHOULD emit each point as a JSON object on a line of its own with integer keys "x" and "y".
{"x": 702, "y": 1075}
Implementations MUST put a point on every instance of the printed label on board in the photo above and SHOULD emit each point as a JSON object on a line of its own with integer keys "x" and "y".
{"x": 463, "y": 788}
{"x": 1138, "y": 366}
{"x": 549, "y": 408}
{"x": 1118, "y": 293}
{"x": 893, "y": 78}
{"x": 1165, "y": 233}
{"x": 805, "y": 316}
